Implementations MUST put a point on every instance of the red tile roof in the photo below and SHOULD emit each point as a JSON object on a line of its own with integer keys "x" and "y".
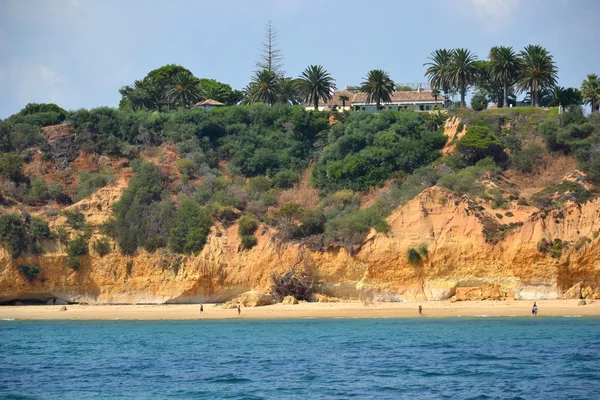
{"x": 424, "y": 95}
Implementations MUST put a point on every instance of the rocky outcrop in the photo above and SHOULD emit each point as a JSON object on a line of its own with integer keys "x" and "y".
{"x": 289, "y": 300}
{"x": 460, "y": 260}
{"x": 62, "y": 144}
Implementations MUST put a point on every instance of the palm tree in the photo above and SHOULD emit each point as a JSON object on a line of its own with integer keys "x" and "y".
{"x": 437, "y": 72}
{"x": 289, "y": 91}
{"x": 462, "y": 71}
{"x": 264, "y": 87}
{"x": 182, "y": 89}
{"x": 378, "y": 86}
{"x": 590, "y": 89}
{"x": 538, "y": 72}
{"x": 214, "y": 92}
{"x": 315, "y": 83}
{"x": 504, "y": 67}
{"x": 137, "y": 95}
{"x": 344, "y": 98}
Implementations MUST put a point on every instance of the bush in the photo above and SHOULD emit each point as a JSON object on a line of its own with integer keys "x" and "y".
{"x": 90, "y": 182}
{"x": 39, "y": 228}
{"x": 75, "y": 219}
{"x": 192, "y": 225}
{"x": 478, "y": 143}
{"x": 285, "y": 179}
{"x": 73, "y": 263}
{"x": 350, "y": 229}
{"x": 11, "y": 166}
{"x": 247, "y": 226}
{"x": 62, "y": 234}
{"x": 186, "y": 166}
{"x": 423, "y": 251}
{"x": 77, "y": 247}
{"x": 29, "y": 271}
{"x": 102, "y": 246}
{"x": 12, "y": 234}
{"x": 479, "y": 102}
{"x": 249, "y": 241}
{"x": 367, "y": 149}
{"x": 413, "y": 257}
{"x": 527, "y": 159}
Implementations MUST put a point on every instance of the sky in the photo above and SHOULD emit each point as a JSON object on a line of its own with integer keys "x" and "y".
{"x": 78, "y": 53}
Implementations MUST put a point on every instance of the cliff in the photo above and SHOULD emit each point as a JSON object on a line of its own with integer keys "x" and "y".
{"x": 460, "y": 260}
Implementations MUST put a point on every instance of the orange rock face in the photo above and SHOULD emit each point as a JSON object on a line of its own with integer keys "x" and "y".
{"x": 456, "y": 260}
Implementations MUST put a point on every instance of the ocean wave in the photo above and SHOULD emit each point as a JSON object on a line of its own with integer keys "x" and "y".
{"x": 8, "y": 319}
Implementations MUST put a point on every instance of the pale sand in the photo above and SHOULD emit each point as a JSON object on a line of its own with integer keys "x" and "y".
{"x": 434, "y": 309}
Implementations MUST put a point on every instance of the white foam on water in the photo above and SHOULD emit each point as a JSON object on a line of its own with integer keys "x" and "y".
{"x": 8, "y": 319}
{"x": 571, "y": 316}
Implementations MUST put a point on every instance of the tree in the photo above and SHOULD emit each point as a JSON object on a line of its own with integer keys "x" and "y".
{"x": 289, "y": 92}
{"x": 137, "y": 96}
{"x": 344, "y": 98}
{"x": 462, "y": 71}
{"x": 438, "y": 70}
{"x": 478, "y": 143}
{"x": 314, "y": 83}
{"x": 504, "y": 67}
{"x": 264, "y": 88}
{"x": 590, "y": 89}
{"x": 182, "y": 90}
{"x": 11, "y": 166}
{"x": 479, "y": 102}
{"x": 378, "y": 86}
{"x": 564, "y": 97}
{"x": 538, "y": 71}
{"x": 270, "y": 55}
{"x": 212, "y": 89}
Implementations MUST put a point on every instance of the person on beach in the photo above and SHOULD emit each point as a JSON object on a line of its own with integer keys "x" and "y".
{"x": 201, "y": 308}
{"x": 239, "y": 309}
{"x": 420, "y": 310}
{"x": 534, "y": 309}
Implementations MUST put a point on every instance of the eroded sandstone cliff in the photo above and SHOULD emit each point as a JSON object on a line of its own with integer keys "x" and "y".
{"x": 464, "y": 254}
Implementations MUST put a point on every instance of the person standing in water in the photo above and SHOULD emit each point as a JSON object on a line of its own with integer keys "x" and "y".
{"x": 534, "y": 309}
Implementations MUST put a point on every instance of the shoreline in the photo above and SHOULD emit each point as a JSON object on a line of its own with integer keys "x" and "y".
{"x": 433, "y": 309}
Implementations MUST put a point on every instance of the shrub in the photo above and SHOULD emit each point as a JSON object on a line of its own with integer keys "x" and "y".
{"x": 75, "y": 219}
{"x": 413, "y": 257}
{"x": 11, "y": 166}
{"x": 258, "y": 185}
{"x": 192, "y": 225}
{"x": 62, "y": 234}
{"x": 186, "y": 166}
{"x": 509, "y": 214}
{"x": 478, "y": 143}
{"x": 285, "y": 179}
{"x": 479, "y": 102}
{"x": 77, "y": 247}
{"x": 423, "y": 251}
{"x": 12, "y": 233}
{"x": 350, "y": 229}
{"x": 90, "y": 182}
{"x": 73, "y": 263}
{"x": 102, "y": 246}
{"x": 543, "y": 245}
{"x": 249, "y": 241}
{"x": 39, "y": 228}
{"x": 247, "y": 226}
{"x": 527, "y": 159}
{"x": 29, "y": 271}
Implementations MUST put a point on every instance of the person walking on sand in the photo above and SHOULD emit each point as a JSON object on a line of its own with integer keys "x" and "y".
{"x": 534, "y": 309}
{"x": 420, "y": 310}
{"x": 201, "y": 308}
{"x": 239, "y": 309}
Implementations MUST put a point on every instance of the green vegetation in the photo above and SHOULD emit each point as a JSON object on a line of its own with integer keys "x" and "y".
{"x": 378, "y": 86}
{"x": 11, "y": 166}
{"x": 102, "y": 246}
{"x": 13, "y": 234}
{"x": 29, "y": 271}
{"x": 315, "y": 83}
{"x": 76, "y": 248}
{"x": 413, "y": 257}
{"x": 553, "y": 248}
{"x": 479, "y": 102}
{"x": 367, "y": 149}
{"x": 89, "y": 182}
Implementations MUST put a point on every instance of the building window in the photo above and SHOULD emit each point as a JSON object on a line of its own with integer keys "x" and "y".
{"x": 421, "y": 107}
{"x": 428, "y": 108}
{"x": 363, "y": 108}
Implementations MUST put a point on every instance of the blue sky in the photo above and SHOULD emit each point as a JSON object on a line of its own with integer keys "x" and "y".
{"x": 78, "y": 53}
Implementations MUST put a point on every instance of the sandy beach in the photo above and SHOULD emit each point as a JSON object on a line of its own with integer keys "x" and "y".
{"x": 438, "y": 309}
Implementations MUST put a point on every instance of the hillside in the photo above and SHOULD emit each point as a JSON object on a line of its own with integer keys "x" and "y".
{"x": 200, "y": 206}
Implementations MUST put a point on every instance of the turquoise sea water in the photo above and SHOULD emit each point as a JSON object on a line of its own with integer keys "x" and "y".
{"x": 452, "y": 358}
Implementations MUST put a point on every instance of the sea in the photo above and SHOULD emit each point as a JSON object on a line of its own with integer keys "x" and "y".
{"x": 421, "y": 358}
